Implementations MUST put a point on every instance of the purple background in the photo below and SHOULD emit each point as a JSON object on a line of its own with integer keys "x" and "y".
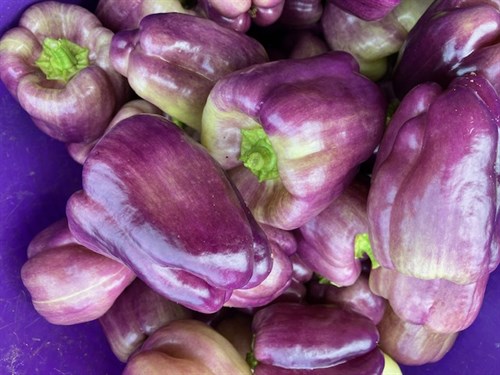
{"x": 36, "y": 178}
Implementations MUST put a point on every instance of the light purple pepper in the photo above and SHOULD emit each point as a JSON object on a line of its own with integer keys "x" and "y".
{"x": 73, "y": 101}
{"x": 68, "y": 283}
{"x": 303, "y": 159}
{"x": 173, "y": 60}
{"x": 434, "y": 184}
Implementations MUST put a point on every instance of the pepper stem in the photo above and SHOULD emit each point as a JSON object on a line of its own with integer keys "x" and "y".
{"x": 257, "y": 154}
{"x": 61, "y": 59}
{"x": 362, "y": 246}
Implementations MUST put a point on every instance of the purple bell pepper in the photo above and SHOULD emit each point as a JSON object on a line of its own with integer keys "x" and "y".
{"x": 153, "y": 198}
{"x": 330, "y": 241}
{"x": 432, "y": 205}
{"x": 368, "y": 10}
{"x": 173, "y": 60}
{"x": 120, "y": 15}
{"x": 450, "y": 32}
{"x": 135, "y": 315}
{"x": 439, "y": 304}
{"x": 371, "y": 363}
{"x": 299, "y": 336}
{"x": 370, "y": 42}
{"x": 288, "y": 163}
{"x": 412, "y": 344}
{"x": 187, "y": 346}
{"x": 68, "y": 283}
{"x": 56, "y": 64}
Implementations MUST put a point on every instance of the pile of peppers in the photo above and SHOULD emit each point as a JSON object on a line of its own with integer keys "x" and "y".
{"x": 268, "y": 186}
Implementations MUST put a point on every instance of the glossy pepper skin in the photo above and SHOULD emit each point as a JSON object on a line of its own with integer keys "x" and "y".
{"x": 432, "y": 205}
{"x": 68, "y": 283}
{"x": 135, "y": 315}
{"x": 371, "y": 363}
{"x": 152, "y": 198}
{"x": 56, "y": 64}
{"x": 299, "y": 336}
{"x": 327, "y": 243}
{"x": 452, "y": 38}
{"x": 370, "y": 42}
{"x": 119, "y": 15}
{"x": 301, "y": 127}
{"x": 173, "y": 60}
{"x": 187, "y": 346}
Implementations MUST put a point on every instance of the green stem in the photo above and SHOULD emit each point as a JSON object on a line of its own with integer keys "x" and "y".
{"x": 257, "y": 154}
{"x": 61, "y": 59}
{"x": 363, "y": 247}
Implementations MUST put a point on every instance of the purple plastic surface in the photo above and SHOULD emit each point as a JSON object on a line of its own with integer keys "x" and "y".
{"x": 36, "y": 178}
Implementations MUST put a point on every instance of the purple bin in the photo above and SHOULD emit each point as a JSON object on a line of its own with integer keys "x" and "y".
{"x": 36, "y": 178}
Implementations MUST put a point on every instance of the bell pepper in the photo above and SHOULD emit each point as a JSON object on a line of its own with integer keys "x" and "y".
{"x": 439, "y": 304}
{"x": 288, "y": 163}
{"x": 187, "y": 346}
{"x": 56, "y": 64}
{"x": 330, "y": 243}
{"x": 173, "y": 60}
{"x": 412, "y": 344}
{"x": 119, "y": 15}
{"x": 432, "y": 204}
{"x": 299, "y": 336}
{"x": 135, "y": 315}
{"x": 69, "y": 283}
{"x": 371, "y": 363}
{"x": 153, "y": 198}
{"x": 448, "y": 33}
{"x": 370, "y": 42}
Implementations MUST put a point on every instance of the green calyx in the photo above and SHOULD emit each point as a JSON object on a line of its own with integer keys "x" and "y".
{"x": 257, "y": 154}
{"x": 61, "y": 59}
{"x": 362, "y": 246}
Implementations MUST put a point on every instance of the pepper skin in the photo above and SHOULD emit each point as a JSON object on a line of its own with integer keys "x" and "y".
{"x": 445, "y": 41}
{"x": 302, "y": 127}
{"x": 187, "y": 347}
{"x": 432, "y": 204}
{"x": 153, "y": 198}
{"x": 173, "y": 60}
{"x": 299, "y": 336}
{"x": 68, "y": 283}
{"x": 56, "y": 64}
